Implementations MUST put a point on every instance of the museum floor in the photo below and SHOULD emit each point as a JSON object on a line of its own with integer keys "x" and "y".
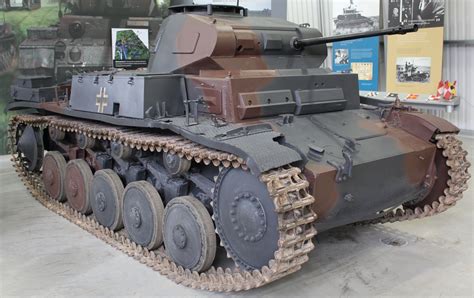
{"x": 42, "y": 254}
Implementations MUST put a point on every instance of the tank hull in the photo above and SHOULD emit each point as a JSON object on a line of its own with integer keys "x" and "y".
{"x": 388, "y": 168}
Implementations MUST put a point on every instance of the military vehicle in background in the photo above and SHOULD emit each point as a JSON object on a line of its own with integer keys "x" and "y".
{"x": 351, "y": 18}
{"x": 19, "y": 4}
{"x": 7, "y": 47}
{"x": 412, "y": 73}
{"x": 233, "y": 135}
{"x": 81, "y": 42}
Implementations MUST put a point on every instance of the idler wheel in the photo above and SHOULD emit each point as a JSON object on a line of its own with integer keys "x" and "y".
{"x": 78, "y": 183}
{"x": 176, "y": 165}
{"x": 245, "y": 218}
{"x": 54, "y": 175}
{"x": 31, "y": 147}
{"x": 441, "y": 172}
{"x": 106, "y": 199}
{"x": 189, "y": 235}
{"x": 143, "y": 214}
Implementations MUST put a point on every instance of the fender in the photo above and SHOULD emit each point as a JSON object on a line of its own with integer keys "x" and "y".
{"x": 422, "y": 126}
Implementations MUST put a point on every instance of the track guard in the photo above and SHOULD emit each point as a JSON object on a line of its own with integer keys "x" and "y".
{"x": 420, "y": 125}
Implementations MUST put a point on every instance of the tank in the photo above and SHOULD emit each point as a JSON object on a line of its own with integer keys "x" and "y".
{"x": 20, "y": 4}
{"x": 236, "y": 136}
{"x": 80, "y": 42}
{"x": 412, "y": 73}
{"x": 351, "y": 18}
{"x": 8, "y": 51}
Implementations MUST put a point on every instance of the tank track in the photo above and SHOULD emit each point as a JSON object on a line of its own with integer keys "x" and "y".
{"x": 287, "y": 187}
{"x": 457, "y": 184}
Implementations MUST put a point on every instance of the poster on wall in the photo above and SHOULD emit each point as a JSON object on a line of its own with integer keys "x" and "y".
{"x": 359, "y": 56}
{"x": 414, "y": 61}
{"x": 257, "y": 8}
{"x": 130, "y": 48}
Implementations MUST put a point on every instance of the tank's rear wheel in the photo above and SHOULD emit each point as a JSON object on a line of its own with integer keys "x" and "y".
{"x": 106, "y": 199}
{"x": 143, "y": 214}
{"x": 78, "y": 181}
{"x": 54, "y": 175}
{"x": 446, "y": 174}
{"x": 245, "y": 218}
{"x": 30, "y": 146}
{"x": 189, "y": 235}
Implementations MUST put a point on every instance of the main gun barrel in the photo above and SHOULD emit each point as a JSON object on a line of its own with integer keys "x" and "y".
{"x": 300, "y": 44}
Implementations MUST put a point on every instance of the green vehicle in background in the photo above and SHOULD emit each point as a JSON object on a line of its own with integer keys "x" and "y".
{"x": 80, "y": 42}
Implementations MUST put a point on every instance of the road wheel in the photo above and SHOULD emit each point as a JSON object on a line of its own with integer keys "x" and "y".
{"x": 78, "y": 183}
{"x": 54, "y": 175}
{"x": 189, "y": 234}
{"x": 106, "y": 199}
{"x": 143, "y": 214}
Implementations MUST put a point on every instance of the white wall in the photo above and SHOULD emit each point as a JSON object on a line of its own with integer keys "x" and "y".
{"x": 458, "y": 57}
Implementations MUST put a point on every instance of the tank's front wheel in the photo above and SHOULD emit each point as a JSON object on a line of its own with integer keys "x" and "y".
{"x": 245, "y": 218}
{"x": 143, "y": 214}
{"x": 189, "y": 235}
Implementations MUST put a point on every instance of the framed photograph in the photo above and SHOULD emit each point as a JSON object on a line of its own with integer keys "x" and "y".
{"x": 130, "y": 48}
{"x": 341, "y": 56}
{"x": 413, "y": 69}
{"x": 355, "y": 16}
{"x": 428, "y": 13}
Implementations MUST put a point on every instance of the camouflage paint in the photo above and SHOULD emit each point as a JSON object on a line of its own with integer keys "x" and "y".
{"x": 245, "y": 71}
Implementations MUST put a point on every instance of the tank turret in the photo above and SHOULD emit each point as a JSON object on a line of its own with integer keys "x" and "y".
{"x": 209, "y": 37}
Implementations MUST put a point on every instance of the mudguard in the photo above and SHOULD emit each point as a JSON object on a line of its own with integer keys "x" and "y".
{"x": 420, "y": 125}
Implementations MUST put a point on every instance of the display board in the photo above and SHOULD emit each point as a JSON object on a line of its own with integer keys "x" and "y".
{"x": 359, "y": 56}
{"x": 130, "y": 48}
{"x": 414, "y": 61}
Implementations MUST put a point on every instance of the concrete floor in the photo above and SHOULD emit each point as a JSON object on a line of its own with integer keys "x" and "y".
{"x": 42, "y": 254}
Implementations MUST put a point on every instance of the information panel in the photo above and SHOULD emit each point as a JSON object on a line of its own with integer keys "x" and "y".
{"x": 359, "y": 56}
{"x": 415, "y": 60}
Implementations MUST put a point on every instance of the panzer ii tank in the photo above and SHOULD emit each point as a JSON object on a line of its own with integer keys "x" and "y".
{"x": 351, "y": 18}
{"x": 7, "y": 48}
{"x": 233, "y": 135}
{"x": 81, "y": 42}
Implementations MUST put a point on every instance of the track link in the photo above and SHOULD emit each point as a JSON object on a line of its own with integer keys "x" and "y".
{"x": 287, "y": 187}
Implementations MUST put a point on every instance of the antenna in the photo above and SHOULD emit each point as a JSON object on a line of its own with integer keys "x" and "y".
{"x": 238, "y": 2}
